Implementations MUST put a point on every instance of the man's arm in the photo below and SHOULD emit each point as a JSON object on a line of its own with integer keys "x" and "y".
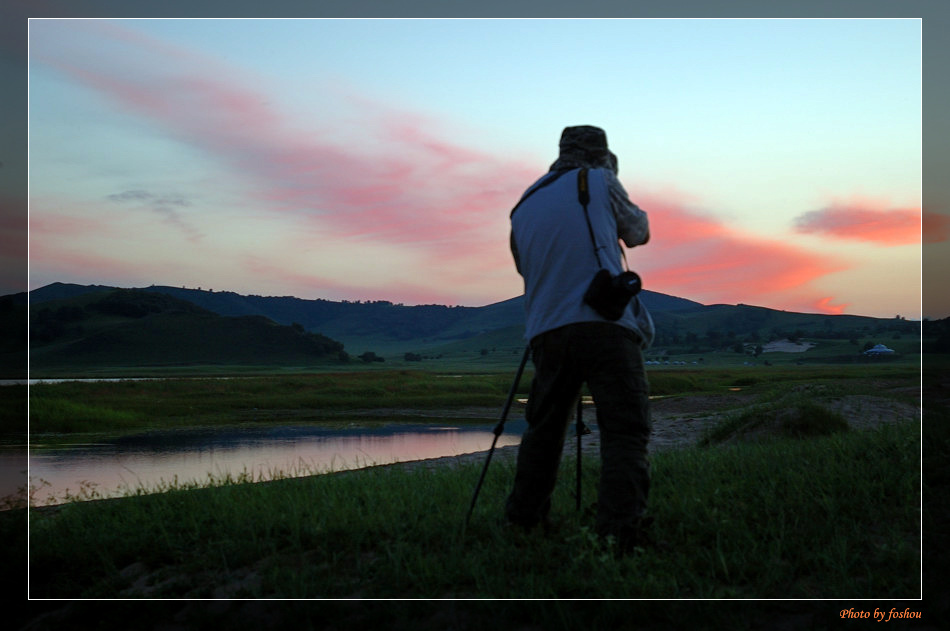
{"x": 632, "y": 224}
{"x": 514, "y": 251}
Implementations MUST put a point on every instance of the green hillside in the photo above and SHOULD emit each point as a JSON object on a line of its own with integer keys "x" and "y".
{"x": 138, "y": 329}
{"x": 755, "y": 324}
{"x": 473, "y": 337}
{"x": 380, "y": 325}
{"x": 720, "y": 327}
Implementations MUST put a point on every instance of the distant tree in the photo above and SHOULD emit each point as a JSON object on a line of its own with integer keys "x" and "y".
{"x": 412, "y": 357}
{"x": 484, "y": 352}
{"x": 758, "y": 350}
{"x": 370, "y": 356}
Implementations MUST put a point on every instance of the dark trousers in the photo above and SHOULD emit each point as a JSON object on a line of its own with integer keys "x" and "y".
{"x": 607, "y": 357}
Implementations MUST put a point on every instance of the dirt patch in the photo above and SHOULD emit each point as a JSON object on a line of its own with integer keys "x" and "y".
{"x": 860, "y": 412}
{"x": 867, "y": 412}
{"x": 683, "y": 421}
{"x": 787, "y": 346}
{"x": 698, "y": 404}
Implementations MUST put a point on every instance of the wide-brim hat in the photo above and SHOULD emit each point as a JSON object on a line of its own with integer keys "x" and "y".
{"x": 584, "y": 145}
{"x": 587, "y": 138}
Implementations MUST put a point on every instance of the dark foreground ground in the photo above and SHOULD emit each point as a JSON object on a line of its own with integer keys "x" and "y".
{"x": 934, "y": 607}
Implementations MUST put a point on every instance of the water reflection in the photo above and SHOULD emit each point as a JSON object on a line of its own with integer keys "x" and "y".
{"x": 13, "y": 466}
{"x": 147, "y": 461}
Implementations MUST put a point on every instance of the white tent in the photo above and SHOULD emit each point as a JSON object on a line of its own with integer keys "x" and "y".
{"x": 878, "y": 349}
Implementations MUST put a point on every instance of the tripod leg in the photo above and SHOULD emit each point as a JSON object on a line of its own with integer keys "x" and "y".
{"x": 499, "y": 428}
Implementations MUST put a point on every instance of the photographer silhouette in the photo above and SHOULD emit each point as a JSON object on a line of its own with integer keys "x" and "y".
{"x": 585, "y": 324}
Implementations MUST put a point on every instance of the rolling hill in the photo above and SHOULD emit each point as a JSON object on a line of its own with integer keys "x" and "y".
{"x": 379, "y": 326}
{"x": 73, "y": 325}
{"x": 135, "y": 328}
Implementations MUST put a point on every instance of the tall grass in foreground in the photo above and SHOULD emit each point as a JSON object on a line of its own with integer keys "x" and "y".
{"x": 829, "y": 517}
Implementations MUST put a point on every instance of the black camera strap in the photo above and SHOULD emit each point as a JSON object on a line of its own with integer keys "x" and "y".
{"x": 551, "y": 178}
{"x": 583, "y": 196}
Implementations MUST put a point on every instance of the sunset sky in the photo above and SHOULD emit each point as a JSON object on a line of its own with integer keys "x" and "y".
{"x": 779, "y": 160}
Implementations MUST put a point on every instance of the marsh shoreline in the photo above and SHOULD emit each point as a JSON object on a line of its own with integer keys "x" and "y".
{"x": 678, "y": 422}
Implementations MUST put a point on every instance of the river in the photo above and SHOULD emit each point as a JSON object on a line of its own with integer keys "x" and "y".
{"x": 118, "y": 466}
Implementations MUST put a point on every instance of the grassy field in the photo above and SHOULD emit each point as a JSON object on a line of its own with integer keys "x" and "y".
{"x": 499, "y": 351}
{"x": 787, "y": 519}
{"x": 834, "y": 516}
{"x": 73, "y": 407}
{"x": 829, "y": 516}
{"x": 817, "y": 517}
{"x": 81, "y": 407}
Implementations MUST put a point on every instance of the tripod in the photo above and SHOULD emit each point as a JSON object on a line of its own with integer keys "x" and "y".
{"x": 580, "y": 430}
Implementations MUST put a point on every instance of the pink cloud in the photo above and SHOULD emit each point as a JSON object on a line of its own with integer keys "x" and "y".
{"x": 59, "y": 249}
{"x": 402, "y": 183}
{"x": 310, "y": 285}
{"x": 824, "y": 306}
{"x": 864, "y": 220}
{"x": 57, "y": 220}
{"x": 43, "y": 225}
{"x": 406, "y": 185}
{"x": 320, "y": 286}
{"x": 51, "y": 262}
{"x": 701, "y": 258}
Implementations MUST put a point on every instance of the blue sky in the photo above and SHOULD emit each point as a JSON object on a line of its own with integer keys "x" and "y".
{"x": 779, "y": 160}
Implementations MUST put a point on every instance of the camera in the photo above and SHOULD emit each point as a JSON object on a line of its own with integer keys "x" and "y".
{"x": 609, "y": 295}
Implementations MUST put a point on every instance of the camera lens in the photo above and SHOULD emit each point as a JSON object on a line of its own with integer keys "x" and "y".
{"x": 629, "y": 281}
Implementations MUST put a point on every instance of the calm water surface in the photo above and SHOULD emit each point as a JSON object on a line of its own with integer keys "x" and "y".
{"x": 114, "y": 467}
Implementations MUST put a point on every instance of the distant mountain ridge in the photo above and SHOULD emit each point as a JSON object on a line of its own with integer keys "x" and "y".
{"x": 384, "y": 327}
{"x": 361, "y": 322}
